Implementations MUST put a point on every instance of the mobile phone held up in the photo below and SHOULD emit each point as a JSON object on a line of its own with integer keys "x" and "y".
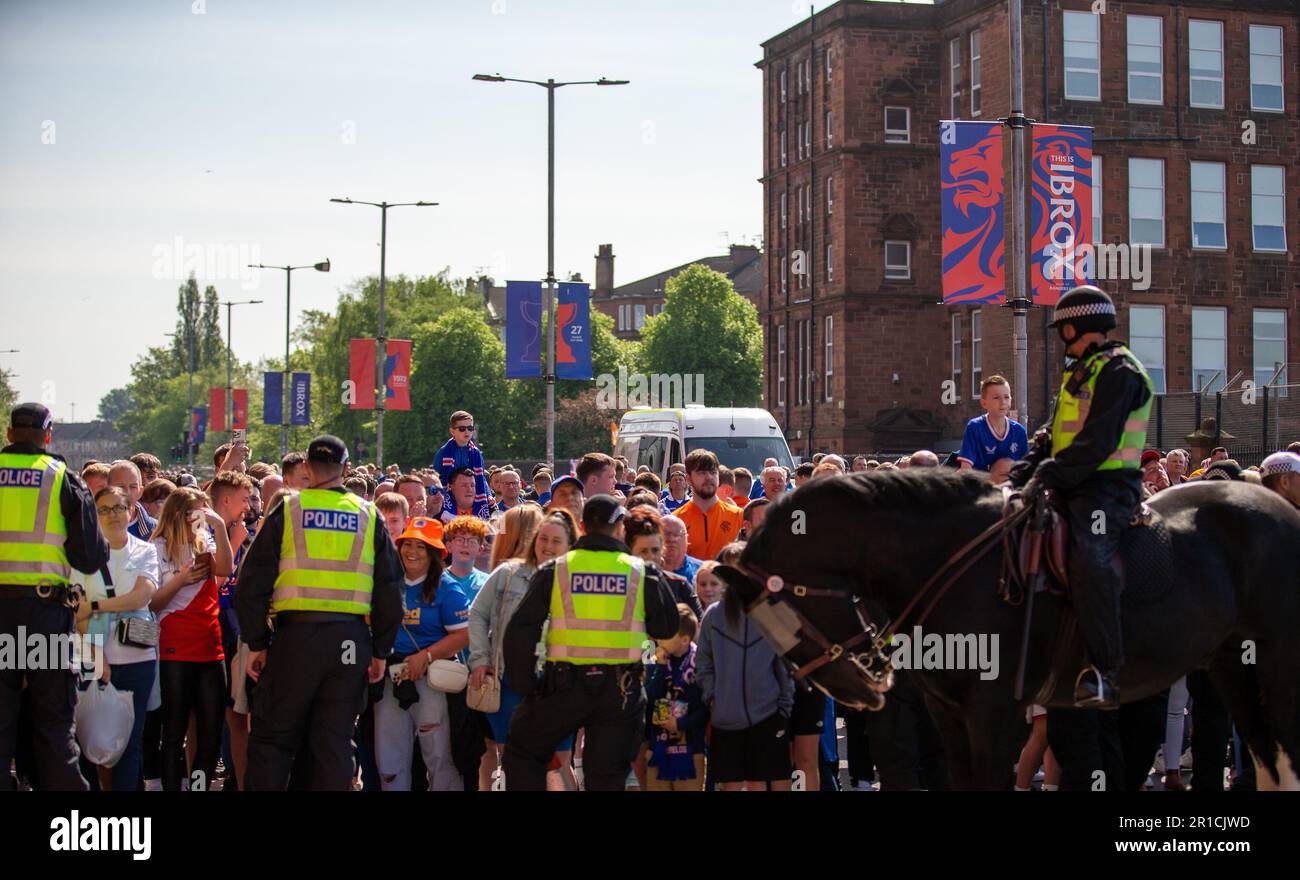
{"x": 239, "y": 436}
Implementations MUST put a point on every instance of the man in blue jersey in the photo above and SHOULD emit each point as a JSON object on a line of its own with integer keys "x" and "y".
{"x": 993, "y": 436}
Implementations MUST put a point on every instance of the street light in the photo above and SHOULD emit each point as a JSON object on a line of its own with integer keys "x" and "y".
{"x": 381, "y": 346}
{"x": 230, "y": 346}
{"x": 550, "y": 85}
{"x": 288, "y": 271}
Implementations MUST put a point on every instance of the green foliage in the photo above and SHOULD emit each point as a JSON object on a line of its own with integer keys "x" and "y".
{"x": 8, "y": 398}
{"x": 706, "y": 327}
{"x": 116, "y": 404}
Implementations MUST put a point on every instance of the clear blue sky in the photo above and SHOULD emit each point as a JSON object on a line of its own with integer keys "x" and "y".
{"x": 228, "y": 129}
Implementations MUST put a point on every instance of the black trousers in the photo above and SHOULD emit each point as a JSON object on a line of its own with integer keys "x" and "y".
{"x": 52, "y": 694}
{"x": 1141, "y": 732}
{"x": 904, "y": 741}
{"x": 1211, "y": 732}
{"x": 311, "y": 691}
{"x": 1086, "y": 743}
{"x": 858, "y": 745}
{"x": 608, "y": 702}
{"x": 1099, "y": 512}
{"x": 199, "y": 688}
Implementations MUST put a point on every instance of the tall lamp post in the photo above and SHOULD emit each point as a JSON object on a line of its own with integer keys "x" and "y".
{"x": 381, "y": 346}
{"x": 230, "y": 345}
{"x": 288, "y": 271}
{"x": 550, "y": 85}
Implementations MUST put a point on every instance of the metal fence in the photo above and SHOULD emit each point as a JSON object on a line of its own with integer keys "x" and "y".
{"x": 1250, "y": 423}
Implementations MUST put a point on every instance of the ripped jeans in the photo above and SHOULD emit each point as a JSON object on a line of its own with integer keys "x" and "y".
{"x": 395, "y": 730}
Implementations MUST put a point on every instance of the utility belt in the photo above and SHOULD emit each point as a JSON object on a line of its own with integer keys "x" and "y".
{"x": 558, "y": 674}
{"x": 58, "y": 594}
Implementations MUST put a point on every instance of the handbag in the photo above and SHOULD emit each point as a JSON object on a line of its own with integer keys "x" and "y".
{"x": 486, "y": 697}
{"x": 133, "y": 632}
{"x": 448, "y": 676}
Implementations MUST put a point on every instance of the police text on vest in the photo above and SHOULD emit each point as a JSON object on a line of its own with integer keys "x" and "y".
{"x": 77, "y": 833}
{"x": 21, "y": 478}
{"x": 331, "y": 520}
{"x": 599, "y": 584}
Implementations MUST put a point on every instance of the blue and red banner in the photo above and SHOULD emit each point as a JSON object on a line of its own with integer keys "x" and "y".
{"x": 300, "y": 402}
{"x": 1061, "y": 210}
{"x": 573, "y": 343}
{"x": 971, "y": 182}
{"x": 239, "y": 409}
{"x": 272, "y": 398}
{"x": 198, "y": 425}
{"x": 217, "y": 409}
{"x": 523, "y": 329}
{"x": 362, "y": 372}
{"x": 397, "y": 375}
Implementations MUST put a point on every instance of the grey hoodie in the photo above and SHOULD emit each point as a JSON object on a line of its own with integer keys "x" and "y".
{"x": 742, "y": 678}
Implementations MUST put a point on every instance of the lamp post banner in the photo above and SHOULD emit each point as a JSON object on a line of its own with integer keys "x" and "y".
{"x": 573, "y": 343}
{"x": 524, "y": 329}
{"x": 217, "y": 409}
{"x": 300, "y": 403}
{"x": 272, "y": 398}
{"x": 362, "y": 373}
{"x": 239, "y": 409}
{"x": 198, "y": 425}
{"x": 1061, "y": 220}
{"x": 397, "y": 375}
{"x": 971, "y": 211}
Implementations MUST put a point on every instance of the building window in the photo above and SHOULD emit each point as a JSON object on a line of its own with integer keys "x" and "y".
{"x": 828, "y": 64}
{"x": 781, "y": 365}
{"x": 622, "y": 318}
{"x": 956, "y": 350}
{"x": 1145, "y": 61}
{"x": 1096, "y": 199}
{"x": 782, "y": 86}
{"x": 798, "y": 197}
{"x": 954, "y": 63}
{"x": 829, "y": 139}
{"x": 898, "y": 125}
{"x": 830, "y": 263}
{"x": 807, "y": 196}
{"x": 1082, "y": 56}
{"x": 784, "y": 276}
{"x": 1209, "y": 229}
{"x": 1147, "y": 340}
{"x": 798, "y": 363}
{"x": 1268, "y": 207}
{"x": 976, "y": 343}
{"x": 1205, "y": 63}
{"x": 1270, "y": 347}
{"x": 807, "y": 139}
{"x": 830, "y": 355}
{"x": 830, "y": 195}
{"x": 1265, "y": 68}
{"x": 783, "y": 148}
{"x": 975, "y": 73}
{"x": 798, "y": 141}
{"x": 807, "y": 75}
{"x": 807, "y": 367}
{"x": 898, "y": 260}
{"x": 639, "y": 316}
{"x": 785, "y": 202}
{"x": 1146, "y": 201}
{"x": 1209, "y": 349}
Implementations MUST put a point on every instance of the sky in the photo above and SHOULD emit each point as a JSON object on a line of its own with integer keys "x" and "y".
{"x": 140, "y": 138}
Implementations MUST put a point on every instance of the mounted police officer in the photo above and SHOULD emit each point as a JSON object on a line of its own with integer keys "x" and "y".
{"x": 321, "y": 563}
{"x": 604, "y": 606}
{"x": 48, "y": 527}
{"x": 1098, "y": 432}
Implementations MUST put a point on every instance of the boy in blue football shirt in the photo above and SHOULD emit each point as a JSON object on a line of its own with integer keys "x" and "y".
{"x": 993, "y": 436}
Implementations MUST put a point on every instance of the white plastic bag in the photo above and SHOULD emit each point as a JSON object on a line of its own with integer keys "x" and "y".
{"x": 104, "y": 718}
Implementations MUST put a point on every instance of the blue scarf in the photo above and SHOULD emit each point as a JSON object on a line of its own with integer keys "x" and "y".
{"x": 675, "y": 760}
{"x": 482, "y": 509}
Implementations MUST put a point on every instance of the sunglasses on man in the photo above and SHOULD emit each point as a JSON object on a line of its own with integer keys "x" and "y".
{"x": 464, "y": 429}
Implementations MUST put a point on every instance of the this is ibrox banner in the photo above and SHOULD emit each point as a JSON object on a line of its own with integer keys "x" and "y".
{"x": 573, "y": 344}
{"x": 199, "y": 425}
{"x": 217, "y": 409}
{"x": 272, "y": 398}
{"x": 1061, "y": 214}
{"x": 524, "y": 329}
{"x": 300, "y": 401}
{"x": 362, "y": 373}
{"x": 970, "y": 172}
{"x": 397, "y": 375}
{"x": 239, "y": 409}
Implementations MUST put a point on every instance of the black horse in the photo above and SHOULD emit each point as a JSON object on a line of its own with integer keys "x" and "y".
{"x": 1215, "y": 584}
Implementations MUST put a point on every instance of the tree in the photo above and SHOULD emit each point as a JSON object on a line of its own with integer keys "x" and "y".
{"x": 211, "y": 346}
{"x": 707, "y": 328}
{"x": 116, "y": 404}
{"x": 8, "y": 397}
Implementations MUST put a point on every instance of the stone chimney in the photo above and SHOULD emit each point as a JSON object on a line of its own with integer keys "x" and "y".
{"x": 605, "y": 270}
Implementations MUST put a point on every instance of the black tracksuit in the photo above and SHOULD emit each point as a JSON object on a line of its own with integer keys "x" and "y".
{"x": 607, "y": 700}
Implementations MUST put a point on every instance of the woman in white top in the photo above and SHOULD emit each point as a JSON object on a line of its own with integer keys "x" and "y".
{"x": 133, "y": 570}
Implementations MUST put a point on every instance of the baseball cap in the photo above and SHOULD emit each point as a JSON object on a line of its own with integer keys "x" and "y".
{"x": 327, "y": 449}
{"x": 602, "y": 510}
{"x": 31, "y": 415}
{"x": 567, "y": 478}
{"x": 1280, "y": 463}
{"x": 426, "y": 529}
{"x": 1150, "y": 455}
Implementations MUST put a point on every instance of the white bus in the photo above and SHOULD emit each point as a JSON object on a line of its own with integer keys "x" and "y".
{"x": 738, "y": 436}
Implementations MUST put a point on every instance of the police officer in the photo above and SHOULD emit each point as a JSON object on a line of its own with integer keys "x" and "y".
{"x": 1099, "y": 429}
{"x": 604, "y": 606}
{"x": 322, "y": 561}
{"x": 48, "y": 527}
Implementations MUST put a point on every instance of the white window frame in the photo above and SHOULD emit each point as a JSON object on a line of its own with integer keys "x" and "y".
{"x": 954, "y": 65}
{"x": 906, "y": 265}
{"x": 1280, "y": 55}
{"x": 785, "y": 205}
{"x": 976, "y": 352}
{"x": 1220, "y": 366}
{"x": 1279, "y": 198}
{"x": 798, "y": 365}
{"x": 622, "y": 317}
{"x": 1205, "y": 198}
{"x": 781, "y": 364}
{"x": 808, "y": 360}
{"x": 1133, "y": 239}
{"x": 828, "y": 63}
{"x": 1096, "y": 24}
{"x": 976, "y": 74}
{"x": 798, "y": 141}
{"x": 785, "y": 276}
{"x": 1194, "y": 78}
{"x": 807, "y": 74}
{"x": 783, "y": 95}
{"x": 892, "y": 135}
{"x": 807, "y": 139}
{"x": 830, "y": 195}
{"x": 807, "y": 202}
{"x": 1159, "y": 46}
{"x": 829, "y": 355}
{"x": 1098, "y": 202}
{"x": 783, "y": 153}
{"x": 830, "y": 141}
{"x": 830, "y": 262}
{"x": 955, "y": 350}
{"x": 1160, "y": 381}
{"x": 638, "y": 316}
{"x": 798, "y": 197}
{"x": 1255, "y": 338}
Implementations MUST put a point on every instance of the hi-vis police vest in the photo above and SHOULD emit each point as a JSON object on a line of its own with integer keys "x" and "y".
{"x": 1072, "y": 411}
{"x": 32, "y": 530}
{"x": 327, "y": 555}
{"x": 597, "y": 608}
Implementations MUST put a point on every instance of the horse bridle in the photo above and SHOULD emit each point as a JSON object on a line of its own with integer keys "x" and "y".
{"x": 874, "y": 666}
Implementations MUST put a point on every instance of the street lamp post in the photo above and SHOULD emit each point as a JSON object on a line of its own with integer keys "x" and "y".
{"x": 550, "y": 85}
{"x": 230, "y": 344}
{"x": 288, "y": 271}
{"x": 381, "y": 346}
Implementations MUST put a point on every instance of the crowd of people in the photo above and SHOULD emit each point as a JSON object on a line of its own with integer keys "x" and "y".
{"x": 722, "y": 709}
